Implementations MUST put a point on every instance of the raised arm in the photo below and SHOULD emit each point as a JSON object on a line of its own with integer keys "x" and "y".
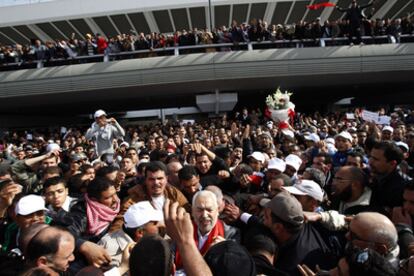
{"x": 180, "y": 229}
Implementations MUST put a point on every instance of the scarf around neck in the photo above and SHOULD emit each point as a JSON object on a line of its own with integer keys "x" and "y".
{"x": 218, "y": 230}
{"x": 99, "y": 215}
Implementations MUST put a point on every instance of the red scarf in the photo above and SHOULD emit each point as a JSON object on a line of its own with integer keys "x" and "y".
{"x": 99, "y": 215}
{"x": 218, "y": 230}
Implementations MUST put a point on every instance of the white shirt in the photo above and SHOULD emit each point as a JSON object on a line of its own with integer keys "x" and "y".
{"x": 158, "y": 202}
{"x": 65, "y": 206}
{"x": 202, "y": 239}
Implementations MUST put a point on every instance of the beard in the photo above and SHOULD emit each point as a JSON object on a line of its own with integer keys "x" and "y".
{"x": 345, "y": 195}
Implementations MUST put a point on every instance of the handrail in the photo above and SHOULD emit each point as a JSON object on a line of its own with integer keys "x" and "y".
{"x": 179, "y": 50}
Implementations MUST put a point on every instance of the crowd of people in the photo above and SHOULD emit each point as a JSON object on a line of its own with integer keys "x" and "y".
{"x": 352, "y": 26}
{"x": 241, "y": 194}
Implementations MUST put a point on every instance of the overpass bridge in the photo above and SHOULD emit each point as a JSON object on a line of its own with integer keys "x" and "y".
{"x": 316, "y": 75}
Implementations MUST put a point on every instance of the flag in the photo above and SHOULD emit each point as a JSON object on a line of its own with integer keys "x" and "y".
{"x": 320, "y": 5}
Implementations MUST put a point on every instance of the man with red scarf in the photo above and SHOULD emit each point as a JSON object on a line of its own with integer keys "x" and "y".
{"x": 208, "y": 228}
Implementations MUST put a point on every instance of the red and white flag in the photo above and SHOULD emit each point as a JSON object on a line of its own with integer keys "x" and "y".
{"x": 320, "y": 5}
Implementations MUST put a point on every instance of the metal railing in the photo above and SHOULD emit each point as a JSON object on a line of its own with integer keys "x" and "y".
{"x": 204, "y": 48}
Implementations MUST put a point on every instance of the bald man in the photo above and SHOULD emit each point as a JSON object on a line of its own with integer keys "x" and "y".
{"x": 52, "y": 247}
{"x": 375, "y": 231}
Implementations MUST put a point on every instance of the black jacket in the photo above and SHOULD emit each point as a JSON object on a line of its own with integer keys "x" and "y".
{"x": 76, "y": 222}
{"x": 388, "y": 191}
{"x": 263, "y": 266}
{"x": 308, "y": 247}
{"x": 312, "y": 246}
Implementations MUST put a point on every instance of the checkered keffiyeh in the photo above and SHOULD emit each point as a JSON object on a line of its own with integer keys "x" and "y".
{"x": 99, "y": 215}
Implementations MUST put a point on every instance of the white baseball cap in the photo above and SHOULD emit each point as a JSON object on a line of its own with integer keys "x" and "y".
{"x": 313, "y": 137}
{"x": 99, "y": 113}
{"x": 276, "y": 164}
{"x": 124, "y": 143}
{"x": 345, "y": 135}
{"x": 403, "y": 145}
{"x": 52, "y": 147}
{"x": 330, "y": 140}
{"x": 306, "y": 187}
{"x": 294, "y": 161}
{"x": 258, "y": 156}
{"x": 141, "y": 213}
{"x": 30, "y": 204}
{"x": 388, "y": 128}
{"x": 288, "y": 132}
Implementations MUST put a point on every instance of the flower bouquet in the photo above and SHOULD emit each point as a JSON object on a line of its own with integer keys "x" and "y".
{"x": 279, "y": 107}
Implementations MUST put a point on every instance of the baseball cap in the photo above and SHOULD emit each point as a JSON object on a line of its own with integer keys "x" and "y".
{"x": 294, "y": 161}
{"x": 126, "y": 144}
{"x": 306, "y": 187}
{"x": 388, "y": 128}
{"x": 78, "y": 157}
{"x": 99, "y": 113}
{"x": 141, "y": 213}
{"x": 258, "y": 156}
{"x": 403, "y": 145}
{"x": 52, "y": 147}
{"x": 287, "y": 208}
{"x": 313, "y": 137}
{"x": 30, "y": 204}
{"x": 288, "y": 133}
{"x": 276, "y": 164}
{"x": 330, "y": 140}
{"x": 345, "y": 135}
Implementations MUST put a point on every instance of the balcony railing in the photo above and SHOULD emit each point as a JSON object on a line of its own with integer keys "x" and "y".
{"x": 205, "y": 48}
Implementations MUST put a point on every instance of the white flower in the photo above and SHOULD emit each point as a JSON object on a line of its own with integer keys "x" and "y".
{"x": 278, "y": 100}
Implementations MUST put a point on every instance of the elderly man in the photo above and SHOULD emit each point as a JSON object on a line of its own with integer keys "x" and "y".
{"x": 104, "y": 131}
{"x": 52, "y": 247}
{"x": 208, "y": 228}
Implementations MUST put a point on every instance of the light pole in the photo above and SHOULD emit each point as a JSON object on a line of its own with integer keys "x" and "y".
{"x": 210, "y": 16}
